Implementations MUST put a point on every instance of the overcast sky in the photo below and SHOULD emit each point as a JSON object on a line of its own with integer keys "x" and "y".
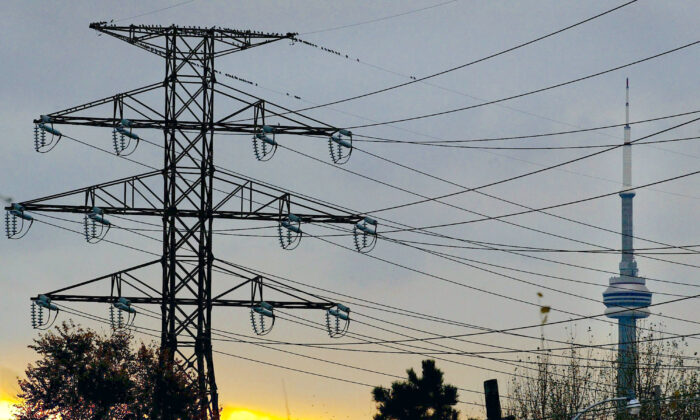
{"x": 52, "y": 60}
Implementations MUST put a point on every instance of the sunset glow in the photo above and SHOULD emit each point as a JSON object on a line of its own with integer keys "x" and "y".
{"x": 6, "y": 409}
{"x": 243, "y": 414}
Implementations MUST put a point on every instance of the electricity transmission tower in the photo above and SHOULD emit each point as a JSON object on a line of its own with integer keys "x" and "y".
{"x": 188, "y": 193}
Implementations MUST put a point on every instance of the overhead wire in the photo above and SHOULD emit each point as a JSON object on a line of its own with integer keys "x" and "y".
{"x": 386, "y": 308}
{"x": 154, "y": 238}
{"x": 423, "y": 229}
{"x": 488, "y": 57}
{"x": 538, "y": 171}
{"x": 381, "y": 19}
{"x": 383, "y": 140}
{"x": 523, "y": 94}
{"x": 451, "y": 336}
{"x": 529, "y": 148}
{"x": 426, "y": 199}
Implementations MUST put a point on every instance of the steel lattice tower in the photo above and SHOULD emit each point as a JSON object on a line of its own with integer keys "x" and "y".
{"x": 627, "y": 297}
{"x": 183, "y": 194}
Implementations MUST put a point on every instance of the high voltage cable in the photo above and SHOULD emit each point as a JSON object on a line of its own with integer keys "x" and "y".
{"x": 155, "y": 144}
{"x": 456, "y": 283}
{"x": 315, "y": 326}
{"x": 417, "y": 315}
{"x": 455, "y": 258}
{"x": 408, "y": 12}
{"x": 459, "y": 260}
{"x": 440, "y": 140}
{"x": 513, "y": 178}
{"x": 433, "y": 355}
{"x": 428, "y": 353}
{"x": 506, "y": 200}
{"x": 521, "y": 45}
{"x": 448, "y": 256}
{"x": 460, "y": 335}
{"x": 137, "y": 328}
{"x": 96, "y": 318}
{"x": 520, "y": 95}
{"x": 443, "y": 359}
{"x": 492, "y": 246}
{"x": 308, "y": 156}
{"x": 229, "y": 334}
{"x": 503, "y": 138}
{"x": 383, "y": 140}
{"x": 511, "y": 252}
{"x": 473, "y": 189}
{"x": 427, "y": 199}
{"x": 579, "y": 317}
{"x": 590, "y": 146}
{"x": 154, "y": 11}
{"x": 341, "y": 246}
{"x": 422, "y": 353}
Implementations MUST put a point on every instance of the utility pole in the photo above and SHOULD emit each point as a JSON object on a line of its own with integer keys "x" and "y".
{"x": 493, "y": 401}
{"x": 183, "y": 194}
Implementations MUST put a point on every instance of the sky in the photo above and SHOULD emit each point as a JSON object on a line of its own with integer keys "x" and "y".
{"x": 52, "y": 60}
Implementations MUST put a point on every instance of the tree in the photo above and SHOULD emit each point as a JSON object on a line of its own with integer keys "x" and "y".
{"x": 424, "y": 398}
{"x": 556, "y": 388}
{"x": 81, "y": 374}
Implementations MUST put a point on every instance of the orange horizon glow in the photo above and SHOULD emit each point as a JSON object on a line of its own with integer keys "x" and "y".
{"x": 7, "y": 408}
{"x": 230, "y": 413}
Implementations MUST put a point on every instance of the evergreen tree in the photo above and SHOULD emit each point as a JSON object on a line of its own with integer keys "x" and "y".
{"x": 424, "y": 398}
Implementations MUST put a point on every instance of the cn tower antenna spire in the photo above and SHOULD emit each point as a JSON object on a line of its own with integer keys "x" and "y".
{"x": 627, "y": 107}
{"x": 627, "y": 148}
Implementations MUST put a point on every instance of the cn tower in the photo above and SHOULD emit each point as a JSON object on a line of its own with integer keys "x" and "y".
{"x": 627, "y": 297}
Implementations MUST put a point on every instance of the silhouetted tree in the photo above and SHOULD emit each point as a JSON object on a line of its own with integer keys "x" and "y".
{"x": 81, "y": 374}
{"x": 424, "y": 398}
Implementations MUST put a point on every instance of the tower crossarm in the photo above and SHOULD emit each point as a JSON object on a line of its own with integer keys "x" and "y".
{"x": 138, "y": 285}
{"x": 244, "y": 114}
{"x": 237, "y": 198}
{"x": 218, "y": 127}
{"x": 151, "y": 37}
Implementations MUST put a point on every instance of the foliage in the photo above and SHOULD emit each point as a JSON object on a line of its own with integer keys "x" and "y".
{"x": 557, "y": 387}
{"x": 424, "y": 398}
{"x": 81, "y": 374}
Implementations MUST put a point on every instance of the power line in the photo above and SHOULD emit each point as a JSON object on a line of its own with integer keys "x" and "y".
{"x": 520, "y": 95}
{"x": 514, "y": 299}
{"x": 373, "y": 139}
{"x": 351, "y": 25}
{"x": 465, "y": 353}
{"x": 405, "y": 228}
{"x": 308, "y": 156}
{"x": 444, "y": 336}
{"x": 521, "y": 45}
{"x": 385, "y": 308}
{"x": 404, "y": 166}
{"x": 335, "y": 244}
{"x": 583, "y": 147}
{"x": 567, "y": 162}
{"x": 529, "y": 209}
{"x": 153, "y": 11}
{"x": 142, "y": 330}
